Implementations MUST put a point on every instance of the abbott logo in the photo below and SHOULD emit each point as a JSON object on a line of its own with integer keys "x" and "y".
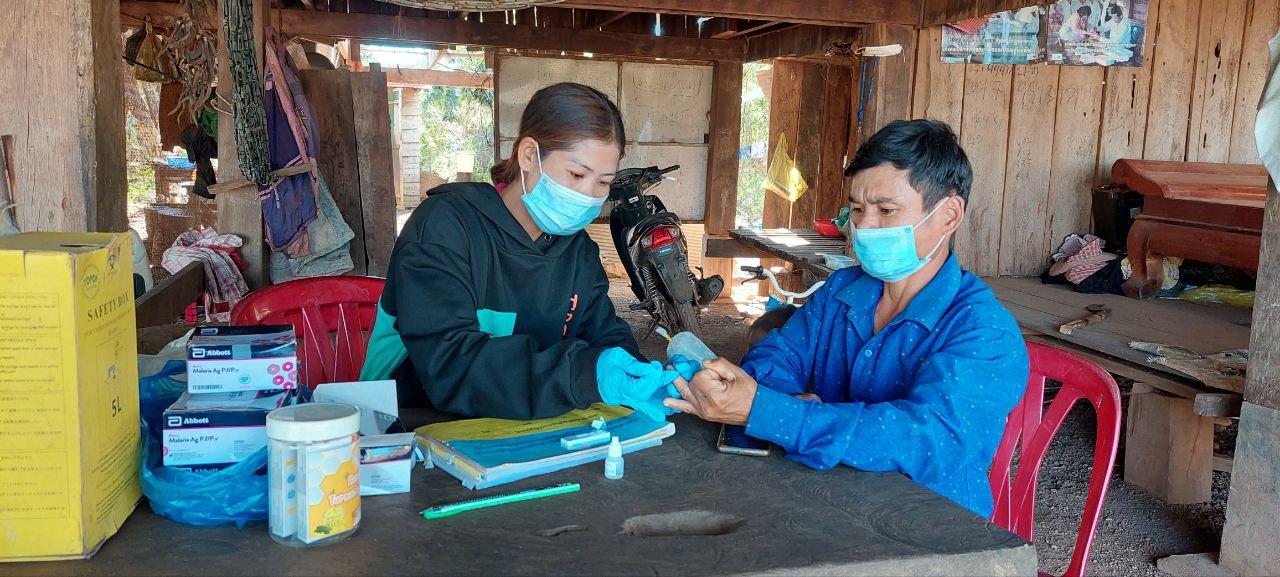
{"x": 195, "y": 421}
{"x": 175, "y": 421}
{"x": 197, "y": 353}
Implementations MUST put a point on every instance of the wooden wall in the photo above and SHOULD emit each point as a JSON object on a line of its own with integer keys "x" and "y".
{"x": 1041, "y": 136}
{"x": 62, "y": 99}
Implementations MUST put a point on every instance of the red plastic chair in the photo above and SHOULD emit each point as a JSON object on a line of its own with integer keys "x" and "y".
{"x": 332, "y": 317}
{"x": 1015, "y": 500}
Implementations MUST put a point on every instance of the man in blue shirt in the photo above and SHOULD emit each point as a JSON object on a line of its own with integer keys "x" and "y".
{"x": 906, "y": 363}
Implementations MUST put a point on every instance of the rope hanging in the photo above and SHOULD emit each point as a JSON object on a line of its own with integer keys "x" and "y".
{"x": 246, "y": 89}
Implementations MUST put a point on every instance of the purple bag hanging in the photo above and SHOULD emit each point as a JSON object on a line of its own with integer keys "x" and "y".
{"x": 289, "y": 204}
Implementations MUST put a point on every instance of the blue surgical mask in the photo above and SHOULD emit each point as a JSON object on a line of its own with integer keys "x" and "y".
{"x": 556, "y": 208}
{"x": 889, "y": 253}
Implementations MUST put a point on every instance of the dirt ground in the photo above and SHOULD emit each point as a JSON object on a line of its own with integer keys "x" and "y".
{"x": 1136, "y": 528}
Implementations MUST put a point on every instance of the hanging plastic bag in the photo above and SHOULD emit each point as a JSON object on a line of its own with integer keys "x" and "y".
{"x": 782, "y": 177}
{"x": 144, "y": 50}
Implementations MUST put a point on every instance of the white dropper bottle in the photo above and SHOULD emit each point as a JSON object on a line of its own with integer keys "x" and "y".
{"x": 613, "y": 463}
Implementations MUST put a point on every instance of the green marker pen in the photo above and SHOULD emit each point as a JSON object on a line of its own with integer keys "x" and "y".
{"x": 440, "y": 511}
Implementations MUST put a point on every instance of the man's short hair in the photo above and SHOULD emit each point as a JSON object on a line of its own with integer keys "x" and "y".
{"x": 928, "y": 150}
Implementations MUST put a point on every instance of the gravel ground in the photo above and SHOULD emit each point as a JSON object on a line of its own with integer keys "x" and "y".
{"x": 1136, "y": 528}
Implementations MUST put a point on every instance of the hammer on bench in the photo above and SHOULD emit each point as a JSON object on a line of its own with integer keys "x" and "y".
{"x": 1097, "y": 314}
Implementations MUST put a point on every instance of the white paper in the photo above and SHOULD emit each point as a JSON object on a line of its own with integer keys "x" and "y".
{"x": 368, "y": 396}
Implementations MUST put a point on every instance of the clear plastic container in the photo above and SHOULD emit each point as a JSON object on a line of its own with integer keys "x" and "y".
{"x": 313, "y": 465}
{"x": 689, "y": 345}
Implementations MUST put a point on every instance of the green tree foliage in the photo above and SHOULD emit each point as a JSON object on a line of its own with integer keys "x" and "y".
{"x": 754, "y": 142}
{"x": 453, "y": 120}
{"x": 457, "y": 119}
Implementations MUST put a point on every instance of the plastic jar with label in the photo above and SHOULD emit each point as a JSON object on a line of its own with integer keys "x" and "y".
{"x": 313, "y": 473}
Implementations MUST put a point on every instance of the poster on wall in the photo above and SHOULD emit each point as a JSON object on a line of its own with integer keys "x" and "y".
{"x": 1011, "y": 37}
{"x": 1097, "y": 32}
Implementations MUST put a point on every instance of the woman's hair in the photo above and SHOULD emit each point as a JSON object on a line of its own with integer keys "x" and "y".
{"x": 1116, "y": 10}
{"x": 1084, "y": 11}
{"x": 559, "y": 117}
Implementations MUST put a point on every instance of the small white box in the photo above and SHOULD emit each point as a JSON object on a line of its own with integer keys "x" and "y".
{"x": 387, "y": 455}
{"x": 229, "y": 359}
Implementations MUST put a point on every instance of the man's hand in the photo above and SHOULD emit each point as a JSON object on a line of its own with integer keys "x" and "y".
{"x": 720, "y": 392}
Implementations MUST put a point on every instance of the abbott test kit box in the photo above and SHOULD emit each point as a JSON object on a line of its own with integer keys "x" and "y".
{"x": 69, "y": 436}
{"x": 231, "y": 359}
{"x": 217, "y": 430}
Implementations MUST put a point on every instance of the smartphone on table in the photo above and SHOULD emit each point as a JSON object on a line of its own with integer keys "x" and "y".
{"x": 735, "y": 441}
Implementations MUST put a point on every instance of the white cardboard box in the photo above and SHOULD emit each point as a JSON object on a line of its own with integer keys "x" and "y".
{"x": 386, "y": 460}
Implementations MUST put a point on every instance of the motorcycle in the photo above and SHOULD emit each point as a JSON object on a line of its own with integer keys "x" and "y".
{"x": 655, "y": 254}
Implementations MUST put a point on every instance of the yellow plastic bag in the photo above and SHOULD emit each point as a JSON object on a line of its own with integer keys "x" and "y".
{"x": 782, "y": 177}
{"x": 144, "y": 50}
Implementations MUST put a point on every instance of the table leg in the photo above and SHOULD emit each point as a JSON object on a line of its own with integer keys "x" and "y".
{"x": 1148, "y": 270}
{"x": 1168, "y": 448}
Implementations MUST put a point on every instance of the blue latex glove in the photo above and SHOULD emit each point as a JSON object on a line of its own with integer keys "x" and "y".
{"x": 687, "y": 368}
{"x": 623, "y": 380}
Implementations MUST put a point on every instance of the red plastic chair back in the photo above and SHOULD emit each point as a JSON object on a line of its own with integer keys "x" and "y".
{"x": 1015, "y": 500}
{"x": 332, "y": 317}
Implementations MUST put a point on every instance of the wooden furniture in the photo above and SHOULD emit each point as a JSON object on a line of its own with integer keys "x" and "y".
{"x": 798, "y": 521}
{"x": 801, "y": 247}
{"x": 1170, "y": 417}
{"x": 1197, "y": 210}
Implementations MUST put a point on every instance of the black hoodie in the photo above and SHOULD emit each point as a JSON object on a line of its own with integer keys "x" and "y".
{"x": 462, "y": 262}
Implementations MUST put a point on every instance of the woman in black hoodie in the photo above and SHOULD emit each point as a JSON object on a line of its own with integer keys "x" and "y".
{"x": 496, "y": 304}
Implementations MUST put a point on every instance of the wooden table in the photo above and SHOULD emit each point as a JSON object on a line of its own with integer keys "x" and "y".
{"x": 802, "y": 247}
{"x": 798, "y": 521}
{"x": 1198, "y": 210}
{"x": 1170, "y": 429}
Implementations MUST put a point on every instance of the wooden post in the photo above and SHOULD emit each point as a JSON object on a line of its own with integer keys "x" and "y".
{"x": 1251, "y": 535}
{"x": 411, "y": 145}
{"x": 722, "y": 164}
{"x": 1169, "y": 448}
{"x": 373, "y": 153}
{"x": 60, "y": 82}
{"x": 239, "y": 211}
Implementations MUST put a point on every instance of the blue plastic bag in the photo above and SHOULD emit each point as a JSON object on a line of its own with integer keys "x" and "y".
{"x": 237, "y": 494}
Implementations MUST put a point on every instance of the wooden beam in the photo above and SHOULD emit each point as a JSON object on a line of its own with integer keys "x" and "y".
{"x": 722, "y": 162}
{"x": 453, "y": 32}
{"x": 824, "y": 12}
{"x": 802, "y": 41}
{"x": 416, "y": 77}
{"x": 753, "y": 29}
{"x": 373, "y": 153}
{"x": 939, "y": 12}
{"x": 611, "y": 19}
{"x": 165, "y": 302}
{"x": 430, "y": 30}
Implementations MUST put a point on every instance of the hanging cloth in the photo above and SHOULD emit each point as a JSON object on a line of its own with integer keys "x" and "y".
{"x": 289, "y": 203}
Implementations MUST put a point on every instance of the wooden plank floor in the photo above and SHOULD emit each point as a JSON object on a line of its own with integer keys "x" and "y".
{"x": 1041, "y": 309}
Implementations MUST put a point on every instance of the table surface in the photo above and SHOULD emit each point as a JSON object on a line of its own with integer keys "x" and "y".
{"x": 1042, "y": 308}
{"x": 798, "y": 521}
{"x": 803, "y": 247}
{"x": 1231, "y": 184}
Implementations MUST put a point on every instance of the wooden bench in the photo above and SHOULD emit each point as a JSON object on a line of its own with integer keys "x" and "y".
{"x": 1198, "y": 210}
{"x": 1170, "y": 418}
